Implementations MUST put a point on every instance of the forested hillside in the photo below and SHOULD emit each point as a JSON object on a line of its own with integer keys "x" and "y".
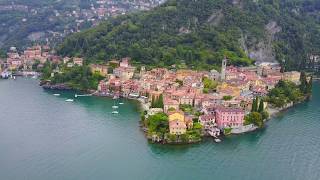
{"x": 27, "y": 22}
{"x": 199, "y": 33}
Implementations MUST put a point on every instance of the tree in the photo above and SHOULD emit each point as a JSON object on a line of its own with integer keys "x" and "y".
{"x": 160, "y": 102}
{"x": 255, "y": 105}
{"x": 309, "y": 85}
{"x": 227, "y": 98}
{"x": 158, "y": 123}
{"x": 254, "y": 118}
{"x": 303, "y": 81}
{"x": 265, "y": 115}
{"x": 261, "y": 106}
{"x": 152, "y": 102}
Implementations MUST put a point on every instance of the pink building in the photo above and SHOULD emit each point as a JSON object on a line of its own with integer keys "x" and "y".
{"x": 229, "y": 117}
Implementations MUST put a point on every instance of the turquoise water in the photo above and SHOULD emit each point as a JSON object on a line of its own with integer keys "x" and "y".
{"x": 44, "y": 137}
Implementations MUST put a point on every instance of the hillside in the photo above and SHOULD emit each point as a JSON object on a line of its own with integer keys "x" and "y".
{"x": 27, "y": 22}
{"x": 199, "y": 33}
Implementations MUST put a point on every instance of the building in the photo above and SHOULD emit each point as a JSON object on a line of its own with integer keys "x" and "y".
{"x": 66, "y": 60}
{"x": 206, "y": 120}
{"x": 293, "y": 76}
{"x": 170, "y": 104}
{"x": 229, "y": 117}
{"x": 101, "y": 69}
{"x": 223, "y": 69}
{"x": 177, "y": 123}
{"x": 177, "y": 127}
{"x": 125, "y": 71}
{"x": 78, "y": 61}
{"x": 176, "y": 115}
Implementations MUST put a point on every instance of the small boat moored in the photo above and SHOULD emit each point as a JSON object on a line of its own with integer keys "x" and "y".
{"x": 69, "y": 100}
{"x": 56, "y": 94}
{"x": 115, "y": 112}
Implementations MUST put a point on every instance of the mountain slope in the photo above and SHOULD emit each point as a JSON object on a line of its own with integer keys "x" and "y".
{"x": 199, "y": 33}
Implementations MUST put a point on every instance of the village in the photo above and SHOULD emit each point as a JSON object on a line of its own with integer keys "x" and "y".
{"x": 211, "y": 103}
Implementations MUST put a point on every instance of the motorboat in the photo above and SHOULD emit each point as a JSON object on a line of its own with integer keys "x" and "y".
{"x": 56, "y": 94}
{"x": 69, "y": 100}
{"x": 115, "y": 112}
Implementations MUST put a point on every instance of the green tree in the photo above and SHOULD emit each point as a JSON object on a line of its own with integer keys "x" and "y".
{"x": 255, "y": 105}
{"x": 254, "y": 118}
{"x": 227, "y": 98}
{"x": 261, "y": 106}
{"x": 158, "y": 123}
{"x": 303, "y": 81}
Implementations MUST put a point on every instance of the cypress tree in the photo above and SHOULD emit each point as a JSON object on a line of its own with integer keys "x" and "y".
{"x": 255, "y": 105}
{"x": 261, "y": 106}
{"x": 160, "y": 101}
{"x": 152, "y": 102}
{"x": 303, "y": 81}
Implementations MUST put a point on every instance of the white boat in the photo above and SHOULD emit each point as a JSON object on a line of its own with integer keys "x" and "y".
{"x": 115, "y": 97}
{"x": 115, "y": 107}
{"x": 115, "y": 112}
{"x": 82, "y": 95}
{"x": 56, "y": 94}
{"x": 217, "y": 140}
{"x": 14, "y": 77}
{"x": 121, "y": 103}
{"x": 69, "y": 100}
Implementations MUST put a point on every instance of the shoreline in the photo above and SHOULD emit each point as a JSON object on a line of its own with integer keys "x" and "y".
{"x": 273, "y": 112}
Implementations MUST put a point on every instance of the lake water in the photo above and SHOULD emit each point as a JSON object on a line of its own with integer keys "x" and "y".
{"x": 42, "y": 137}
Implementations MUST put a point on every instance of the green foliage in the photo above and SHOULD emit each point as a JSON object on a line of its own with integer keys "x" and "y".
{"x": 255, "y": 105}
{"x": 209, "y": 84}
{"x": 157, "y": 102}
{"x": 197, "y": 126}
{"x": 186, "y": 108}
{"x": 261, "y": 106}
{"x": 164, "y": 36}
{"x": 3, "y": 54}
{"x": 284, "y": 93}
{"x": 158, "y": 123}
{"x": 35, "y": 65}
{"x": 205, "y": 90}
{"x": 227, "y": 98}
{"x": 227, "y": 131}
{"x": 254, "y": 118}
{"x": 200, "y": 37}
{"x": 305, "y": 86}
{"x": 265, "y": 115}
{"x": 77, "y": 77}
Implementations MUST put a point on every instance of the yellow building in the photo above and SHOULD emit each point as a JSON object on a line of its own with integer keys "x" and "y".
{"x": 293, "y": 76}
{"x": 177, "y": 124}
{"x": 177, "y": 115}
{"x": 177, "y": 127}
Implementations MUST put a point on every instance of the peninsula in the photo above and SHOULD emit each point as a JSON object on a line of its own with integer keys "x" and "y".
{"x": 178, "y": 105}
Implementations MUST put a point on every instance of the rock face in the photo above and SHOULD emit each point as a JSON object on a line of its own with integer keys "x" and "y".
{"x": 263, "y": 51}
